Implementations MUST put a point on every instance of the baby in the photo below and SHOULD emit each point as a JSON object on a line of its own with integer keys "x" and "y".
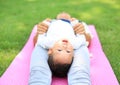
{"x": 61, "y": 41}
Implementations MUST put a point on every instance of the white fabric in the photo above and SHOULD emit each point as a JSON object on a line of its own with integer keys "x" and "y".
{"x": 57, "y": 30}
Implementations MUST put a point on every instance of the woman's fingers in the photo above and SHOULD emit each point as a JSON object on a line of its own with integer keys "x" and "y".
{"x": 79, "y": 28}
{"x": 42, "y": 28}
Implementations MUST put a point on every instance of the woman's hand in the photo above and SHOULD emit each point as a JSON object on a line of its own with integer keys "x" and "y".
{"x": 42, "y": 27}
{"x": 79, "y": 28}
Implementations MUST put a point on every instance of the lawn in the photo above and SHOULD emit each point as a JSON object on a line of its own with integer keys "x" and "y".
{"x": 17, "y": 18}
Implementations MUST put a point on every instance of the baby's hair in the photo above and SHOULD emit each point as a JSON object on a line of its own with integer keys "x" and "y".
{"x": 58, "y": 69}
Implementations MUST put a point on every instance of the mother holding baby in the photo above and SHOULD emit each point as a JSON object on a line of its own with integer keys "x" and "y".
{"x": 61, "y": 50}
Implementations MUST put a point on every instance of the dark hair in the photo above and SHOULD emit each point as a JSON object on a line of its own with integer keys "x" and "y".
{"x": 58, "y": 69}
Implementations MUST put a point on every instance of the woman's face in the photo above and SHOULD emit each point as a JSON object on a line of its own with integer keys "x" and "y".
{"x": 64, "y": 16}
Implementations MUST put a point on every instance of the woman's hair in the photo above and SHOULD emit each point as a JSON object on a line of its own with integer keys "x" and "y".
{"x": 58, "y": 69}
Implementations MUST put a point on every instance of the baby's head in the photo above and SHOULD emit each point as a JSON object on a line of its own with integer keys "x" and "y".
{"x": 60, "y": 58}
{"x": 64, "y": 15}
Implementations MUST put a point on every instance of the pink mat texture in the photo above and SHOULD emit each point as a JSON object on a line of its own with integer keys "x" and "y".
{"x": 101, "y": 71}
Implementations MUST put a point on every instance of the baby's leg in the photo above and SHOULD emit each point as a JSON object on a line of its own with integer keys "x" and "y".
{"x": 79, "y": 73}
{"x": 40, "y": 73}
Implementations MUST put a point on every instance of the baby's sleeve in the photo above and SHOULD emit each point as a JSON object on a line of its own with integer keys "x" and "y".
{"x": 43, "y": 41}
{"x": 78, "y": 41}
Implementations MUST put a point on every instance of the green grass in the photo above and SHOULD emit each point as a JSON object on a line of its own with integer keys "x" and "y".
{"x": 17, "y": 18}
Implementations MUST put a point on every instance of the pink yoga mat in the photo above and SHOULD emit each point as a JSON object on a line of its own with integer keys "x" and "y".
{"x": 101, "y": 71}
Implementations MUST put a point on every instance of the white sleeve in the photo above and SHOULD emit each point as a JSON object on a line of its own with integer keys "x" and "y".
{"x": 43, "y": 41}
{"x": 78, "y": 41}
